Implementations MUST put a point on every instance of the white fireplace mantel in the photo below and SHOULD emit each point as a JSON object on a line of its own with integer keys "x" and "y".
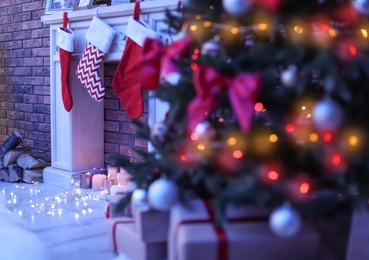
{"x": 77, "y": 137}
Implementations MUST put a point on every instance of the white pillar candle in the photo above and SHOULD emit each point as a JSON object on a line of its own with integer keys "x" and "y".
{"x": 122, "y": 178}
{"x": 97, "y": 181}
{"x": 114, "y": 189}
{"x": 112, "y": 172}
{"x": 86, "y": 180}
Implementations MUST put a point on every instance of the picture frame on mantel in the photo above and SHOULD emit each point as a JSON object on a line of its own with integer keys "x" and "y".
{"x": 83, "y": 4}
{"x": 59, "y": 6}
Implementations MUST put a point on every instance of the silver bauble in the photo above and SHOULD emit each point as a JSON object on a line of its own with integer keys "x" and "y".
{"x": 327, "y": 115}
{"x": 362, "y": 6}
{"x": 139, "y": 199}
{"x": 162, "y": 194}
{"x": 285, "y": 221}
{"x": 236, "y": 7}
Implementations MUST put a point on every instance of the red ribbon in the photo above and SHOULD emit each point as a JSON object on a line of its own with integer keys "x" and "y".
{"x": 242, "y": 92}
{"x": 115, "y": 231}
{"x": 157, "y": 57}
{"x": 107, "y": 213}
{"x": 220, "y": 232}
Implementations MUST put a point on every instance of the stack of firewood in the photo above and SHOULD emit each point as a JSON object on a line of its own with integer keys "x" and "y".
{"x": 17, "y": 165}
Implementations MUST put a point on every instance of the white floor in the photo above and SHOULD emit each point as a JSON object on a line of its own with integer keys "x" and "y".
{"x": 71, "y": 223}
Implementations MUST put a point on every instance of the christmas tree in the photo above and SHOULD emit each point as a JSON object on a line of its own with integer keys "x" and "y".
{"x": 267, "y": 106}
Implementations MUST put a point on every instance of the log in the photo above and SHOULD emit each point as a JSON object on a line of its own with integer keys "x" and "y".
{"x": 26, "y": 161}
{"x": 11, "y": 142}
{"x": 2, "y": 170}
{"x": 15, "y": 173}
{"x": 11, "y": 157}
{"x": 5, "y": 174}
{"x": 33, "y": 176}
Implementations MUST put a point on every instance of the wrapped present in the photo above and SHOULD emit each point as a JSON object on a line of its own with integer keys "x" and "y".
{"x": 111, "y": 210}
{"x": 358, "y": 236}
{"x": 124, "y": 239}
{"x": 152, "y": 225}
{"x": 246, "y": 235}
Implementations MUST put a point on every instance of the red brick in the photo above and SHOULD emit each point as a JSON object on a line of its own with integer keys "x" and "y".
{"x": 24, "y": 107}
{"x": 31, "y": 25}
{"x": 120, "y": 138}
{"x": 32, "y": 6}
{"x": 21, "y": 17}
{"x": 33, "y": 43}
{"x": 32, "y": 62}
{"x": 33, "y": 117}
{"x": 24, "y": 125}
{"x": 111, "y": 126}
{"x": 42, "y": 127}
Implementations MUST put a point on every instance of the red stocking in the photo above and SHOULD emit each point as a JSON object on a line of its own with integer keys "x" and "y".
{"x": 125, "y": 83}
{"x": 99, "y": 38}
{"x": 66, "y": 47}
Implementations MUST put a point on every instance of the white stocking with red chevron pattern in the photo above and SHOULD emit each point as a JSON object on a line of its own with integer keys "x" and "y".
{"x": 99, "y": 37}
{"x": 88, "y": 72}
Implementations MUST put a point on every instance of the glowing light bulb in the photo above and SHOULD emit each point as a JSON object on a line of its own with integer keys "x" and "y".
{"x": 273, "y": 175}
{"x": 198, "y": 17}
{"x": 259, "y": 107}
{"x": 194, "y": 137}
{"x": 207, "y": 24}
{"x": 303, "y": 108}
{"x": 273, "y": 138}
{"x": 364, "y": 33}
{"x": 353, "y": 140}
{"x": 324, "y": 27}
{"x": 332, "y": 32}
{"x": 194, "y": 66}
{"x": 327, "y": 137}
{"x": 237, "y": 154}
{"x": 313, "y": 137}
{"x": 336, "y": 159}
{"x": 234, "y": 30}
{"x": 201, "y": 147}
{"x": 183, "y": 157}
{"x": 262, "y": 26}
{"x": 304, "y": 187}
{"x": 308, "y": 115}
{"x": 196, "y": 51}
{"x": 290, "y": 128}
{"x": 193, "y": 27}
{"x": 298, "y": 29}
{"x": 221, "y": 120}
{"x": 352, "y": 50}
{"x": 232, "y": 141}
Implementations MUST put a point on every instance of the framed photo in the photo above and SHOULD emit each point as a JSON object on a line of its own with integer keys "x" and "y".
{"x": 83, "y": 4}
{"x": 53, "y": 6}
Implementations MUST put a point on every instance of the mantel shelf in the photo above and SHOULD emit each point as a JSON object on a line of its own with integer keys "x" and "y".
{"x": 111, "y": 11}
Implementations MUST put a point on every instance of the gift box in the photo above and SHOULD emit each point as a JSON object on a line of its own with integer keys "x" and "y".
{"x": 124, "y": 239}
{"x": 152, "y": 225}
{"x": 246, "y": 235}
{"x": 357, "y": 246}
{"x": 111, "y": 210}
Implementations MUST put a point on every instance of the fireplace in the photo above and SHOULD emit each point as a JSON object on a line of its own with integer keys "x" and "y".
{"x": 77, "y": 137}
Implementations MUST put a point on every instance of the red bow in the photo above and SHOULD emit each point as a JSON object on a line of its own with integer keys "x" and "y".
{"x": 242, "y": 92}
{"x": 157, "y": 57}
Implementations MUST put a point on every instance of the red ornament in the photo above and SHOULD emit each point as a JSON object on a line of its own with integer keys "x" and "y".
{"x": 268, "y": 4}
{"x": 347, "y": 14}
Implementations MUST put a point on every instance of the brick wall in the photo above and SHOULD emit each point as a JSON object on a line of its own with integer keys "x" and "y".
{"x": 25, "y": 77}
{"x": 119, "y": 131}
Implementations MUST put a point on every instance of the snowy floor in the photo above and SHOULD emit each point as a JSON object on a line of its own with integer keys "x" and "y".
{"x": 70, "y": 223}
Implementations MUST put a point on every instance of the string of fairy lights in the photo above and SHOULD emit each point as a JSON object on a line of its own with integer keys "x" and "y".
{"x": 30, "y": 202}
